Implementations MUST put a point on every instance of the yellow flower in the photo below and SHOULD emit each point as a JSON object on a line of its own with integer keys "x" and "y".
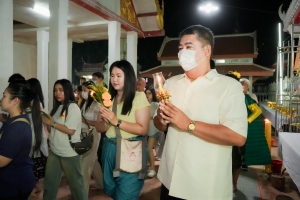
{"x": 238, "y": 75}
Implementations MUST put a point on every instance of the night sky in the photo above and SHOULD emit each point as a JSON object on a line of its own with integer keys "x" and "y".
{"x": 251, "y": 15}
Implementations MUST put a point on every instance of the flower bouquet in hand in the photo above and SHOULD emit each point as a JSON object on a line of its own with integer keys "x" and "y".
{"x": 101, "y": 95}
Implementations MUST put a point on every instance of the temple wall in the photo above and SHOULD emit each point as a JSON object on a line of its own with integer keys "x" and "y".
{"x": 25, "y": 59}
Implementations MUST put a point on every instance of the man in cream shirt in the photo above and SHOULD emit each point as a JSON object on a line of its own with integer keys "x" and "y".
{"x": 207, "y": 116}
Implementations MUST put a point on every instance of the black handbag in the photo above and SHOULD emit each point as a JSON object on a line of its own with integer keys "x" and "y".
{"x": 86, "y": 137}
{"x": 39, "y": 166}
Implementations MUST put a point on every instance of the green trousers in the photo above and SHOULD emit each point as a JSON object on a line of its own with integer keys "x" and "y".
{"x": 71, "y": 166}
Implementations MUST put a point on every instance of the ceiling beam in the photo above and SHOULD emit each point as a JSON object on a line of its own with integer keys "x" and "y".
{"x": 154, "y": 33}
{"x": 22, "y": 30}
{"x": 102, "y": 11}
{"x": 150, "y": 14}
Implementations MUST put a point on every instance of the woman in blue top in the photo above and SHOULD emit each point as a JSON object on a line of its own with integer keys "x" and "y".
{"x": 17, "y": 179}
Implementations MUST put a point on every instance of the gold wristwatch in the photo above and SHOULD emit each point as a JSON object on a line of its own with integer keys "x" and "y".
{"x": 191, "y": 127}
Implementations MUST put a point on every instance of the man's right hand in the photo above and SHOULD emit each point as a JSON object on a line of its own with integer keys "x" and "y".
{"x": 3, "y": 117}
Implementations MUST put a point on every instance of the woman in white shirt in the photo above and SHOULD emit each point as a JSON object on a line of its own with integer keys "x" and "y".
{"x": 65, "y": 121}
{"x": 153, "y": 132}
{"x": 90, "y": 165}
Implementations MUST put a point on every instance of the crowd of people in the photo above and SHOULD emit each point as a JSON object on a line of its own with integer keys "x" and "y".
{"x": 207, "y": 120}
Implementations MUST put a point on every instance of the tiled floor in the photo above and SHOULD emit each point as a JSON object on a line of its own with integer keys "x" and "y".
{"x": 151, "y": 189}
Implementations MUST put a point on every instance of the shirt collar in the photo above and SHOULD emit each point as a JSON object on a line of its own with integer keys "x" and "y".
{"x": 209, "y": 75}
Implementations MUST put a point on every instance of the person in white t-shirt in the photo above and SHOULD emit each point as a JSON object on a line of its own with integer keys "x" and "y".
{"x": 207, "y": 117}
{"x": 65, "y": 121}
{"x": 90, "y": 164}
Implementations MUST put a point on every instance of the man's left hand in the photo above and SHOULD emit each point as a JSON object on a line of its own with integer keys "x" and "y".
{"x": 174, "y": 115}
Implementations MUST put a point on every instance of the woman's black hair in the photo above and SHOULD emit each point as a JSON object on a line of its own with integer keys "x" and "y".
{"x": 151, "y": 89}
{"x": 90, "y": 99}
{"x": 68, "y": 96}
{"x": 35, "y": 85}
{"x": 79, "y": 88}
{"x": 26, "y": 96}
{"x": 129, "y": 85}
{"x": 15, "y": 77}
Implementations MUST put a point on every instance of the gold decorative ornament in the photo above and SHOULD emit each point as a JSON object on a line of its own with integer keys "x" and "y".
{"x": 160, "y": 13}
{"x": 127, "y": 12}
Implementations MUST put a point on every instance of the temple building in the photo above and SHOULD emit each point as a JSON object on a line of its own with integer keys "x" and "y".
{"x": 36, "y": 45}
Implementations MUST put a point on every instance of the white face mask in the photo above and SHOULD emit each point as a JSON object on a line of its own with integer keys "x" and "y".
{"x": 187, "y": 59}
{"x": 84, "y": 95}
{"x": 94, "y": 81}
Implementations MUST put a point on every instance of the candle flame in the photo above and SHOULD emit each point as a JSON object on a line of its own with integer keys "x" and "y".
{"x": 158, "y": 78}
{"x": 266, "y": 120}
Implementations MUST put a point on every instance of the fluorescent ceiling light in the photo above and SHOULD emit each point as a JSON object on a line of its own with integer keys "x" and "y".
{"x": 220, "y": 61}
{"x": 41, "y": 10}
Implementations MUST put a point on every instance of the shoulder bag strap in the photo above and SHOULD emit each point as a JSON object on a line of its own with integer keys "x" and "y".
{"x": 67, "y": 108}
{"x": 85, "y": 120}
{"x": 116, "y": 172}
{"x": 21, "y": 120}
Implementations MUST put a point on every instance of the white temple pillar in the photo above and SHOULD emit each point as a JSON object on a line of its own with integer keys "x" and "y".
{"x": 58, "y": 43}
{"x": 6, "y": 43}
{"x": 42, "y": 65}
{"x": 70, "y": 46}
{"x": 251, "y": 83}
{"x": 132, "y": 41}
{"x": 114, "y": 38}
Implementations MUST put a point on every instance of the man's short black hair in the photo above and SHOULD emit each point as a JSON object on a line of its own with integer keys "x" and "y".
{"x": 98, "y": 74}
{"x": 204, "y": 34}
{"x": 82, "y": 78}
{"x": 15, "y": 77}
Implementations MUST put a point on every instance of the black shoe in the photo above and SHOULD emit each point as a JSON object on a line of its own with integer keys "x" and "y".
{"x": 244, "y": 167}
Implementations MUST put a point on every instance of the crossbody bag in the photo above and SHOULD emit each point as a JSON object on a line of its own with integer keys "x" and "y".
{"x": 86, "y": 137}
{"x": 131, "y": 154}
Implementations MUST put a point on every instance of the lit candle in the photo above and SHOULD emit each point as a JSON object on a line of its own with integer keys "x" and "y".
{"x": 268, "y": 132}
{"x": 268, "y": 129}
{"x": 159, "y": 83}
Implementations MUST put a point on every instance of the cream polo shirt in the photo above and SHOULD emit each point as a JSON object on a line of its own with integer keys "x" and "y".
{"x": 59, "y": 141}
{"x": 192, "y": 168}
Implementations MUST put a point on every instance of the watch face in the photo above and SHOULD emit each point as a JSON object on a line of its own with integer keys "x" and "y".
{"x": 192, "y": 127}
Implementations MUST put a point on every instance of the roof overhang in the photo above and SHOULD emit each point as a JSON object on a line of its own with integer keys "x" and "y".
{"x": 244, "y": 70}
{"x": 226, "y": 46}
